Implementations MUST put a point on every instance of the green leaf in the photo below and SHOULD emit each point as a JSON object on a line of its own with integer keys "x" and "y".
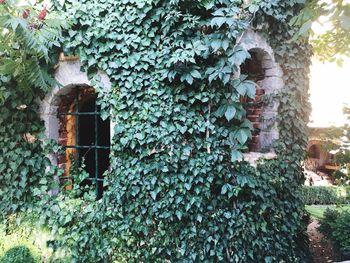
{"x": 242, "y": 135}
{"x": 236, "y": 156}
{"x": 215, "y": 44}
{"x": 224, "y": 189}
{"x": 221, "y": 111}
{"x": 154, "y": 195}
{"x": 195, "y": 74}
{"x": 178, "y": 214}
{"x": 230, "y": 112}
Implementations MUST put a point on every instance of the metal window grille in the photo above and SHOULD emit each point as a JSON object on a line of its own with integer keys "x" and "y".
{"x": 96, "y": 147}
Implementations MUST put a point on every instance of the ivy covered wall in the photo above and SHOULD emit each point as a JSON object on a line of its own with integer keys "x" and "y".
{"x": 177, "y": 190}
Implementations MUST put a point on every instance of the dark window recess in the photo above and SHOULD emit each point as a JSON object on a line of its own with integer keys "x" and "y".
{"x": 254, "y": 71}
{"x": 314, "y": 152}
{"x": 91, "y": 144}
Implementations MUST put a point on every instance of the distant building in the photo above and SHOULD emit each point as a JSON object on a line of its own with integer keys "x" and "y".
{"x": 320, "y": 163}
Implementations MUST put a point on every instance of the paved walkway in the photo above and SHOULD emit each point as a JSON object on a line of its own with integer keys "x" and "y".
{"x": 318, "y": 179}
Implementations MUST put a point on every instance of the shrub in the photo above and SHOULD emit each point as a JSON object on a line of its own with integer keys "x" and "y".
{"x": 336, "y": 226}
{"x": 325, "y": 195}
{"x": 341, "y": 177}
{"x": 341, "y": 233}
{"x": 22, "y": 241}
{"x": 18, "y": 254}
{"x": 329, "y": 217}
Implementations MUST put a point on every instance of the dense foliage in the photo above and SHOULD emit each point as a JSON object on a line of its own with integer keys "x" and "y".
{"x": 329, "y": 25}
{"x": 18, "y": 254}
{"x": 336, "y": 226}
{"x": 342, "y": 156}
{"x": 325, "y": 195}
{"x": 26, "y": 39}
{"x": 176, "y": 189}
{"x": 23, "y": 240}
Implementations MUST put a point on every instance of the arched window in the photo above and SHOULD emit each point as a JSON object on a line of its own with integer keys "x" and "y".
{"x": 262, "y": 111}
{"x": 314, "y": 152}
{"x": 84, "y": 135}
{"x": 72, "y": 118}
{"x": 252, "y": 68}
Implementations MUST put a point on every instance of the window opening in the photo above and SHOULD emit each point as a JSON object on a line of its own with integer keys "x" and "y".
{"x": 314, "y": 152}
{"x": 254, "y": 71}
{"x": 87, "y": 136}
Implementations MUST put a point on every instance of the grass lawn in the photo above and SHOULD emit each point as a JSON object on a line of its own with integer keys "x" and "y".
{"x": 316, "y": 211}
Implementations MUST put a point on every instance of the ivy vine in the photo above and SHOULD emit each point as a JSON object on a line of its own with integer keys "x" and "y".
{"x": 176, "y": 190}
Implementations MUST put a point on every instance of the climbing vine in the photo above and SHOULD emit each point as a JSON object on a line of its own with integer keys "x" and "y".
{"x": 177, "y": 189}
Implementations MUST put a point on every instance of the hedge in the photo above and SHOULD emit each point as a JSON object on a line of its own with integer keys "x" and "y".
{"x": 325, "y": 195}
{"x": 336, "y": 226}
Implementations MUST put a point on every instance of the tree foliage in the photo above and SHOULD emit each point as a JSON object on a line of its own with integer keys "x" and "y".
{"x": 28, "y": 35}
{"x": 334, "y": 18}
{"x": 27, "y": 38}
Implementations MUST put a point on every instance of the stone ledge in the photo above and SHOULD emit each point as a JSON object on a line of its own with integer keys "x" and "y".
{"x": 254, "y": 157}
{"x": 68, "y": 58}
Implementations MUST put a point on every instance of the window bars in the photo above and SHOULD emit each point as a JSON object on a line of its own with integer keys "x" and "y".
{"x": 92, "y": 136}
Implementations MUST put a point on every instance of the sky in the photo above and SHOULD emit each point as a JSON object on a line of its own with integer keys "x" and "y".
{"x": 329, "y": 87}
{"x": 329, "y": 91}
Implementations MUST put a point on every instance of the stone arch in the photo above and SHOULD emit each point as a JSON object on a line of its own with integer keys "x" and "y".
{"x": 59, "y": 111}
{"x": 314, "y": 151}
{"x": 268, "y": 84}
{"x": 70, "y": 76}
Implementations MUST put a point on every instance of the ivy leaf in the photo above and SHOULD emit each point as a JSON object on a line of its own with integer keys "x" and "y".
{"x": 154, "y": 195}
{"x": 178, "y": 214}
{"x": 218, "y": 21}
{"x": 243, "y": 180}
{"x": 236, "y": 156}
{"x": 230, "y": 112}
{"x": 225, "y": 188}
{"x": 246, "y": 87}
{"x": 239, "y": 56}
{"x": 195, "y": 74}
{"x": 253, "y": 8}
{"x": 221, "y": 110}
{"x": 247, "y": 124}
{"x": 216, "y": 44}
{"x": 188, "y": 78}
{"x": 305, "y": 27}
{"x": 242, "y": 135}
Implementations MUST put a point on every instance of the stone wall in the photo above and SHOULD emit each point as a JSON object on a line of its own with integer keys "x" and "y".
{"x": 263, "y": 118}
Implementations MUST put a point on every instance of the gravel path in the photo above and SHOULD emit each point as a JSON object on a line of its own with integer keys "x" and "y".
{"x": 321, "y": 250}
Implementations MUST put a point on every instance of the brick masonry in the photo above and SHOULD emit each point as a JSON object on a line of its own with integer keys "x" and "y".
{"x": 262, "y": 113}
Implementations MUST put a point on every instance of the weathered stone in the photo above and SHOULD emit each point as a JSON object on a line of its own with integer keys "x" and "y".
{"x": 274, "y": 72}
{"x": 272, "y": 83}
{"x": 254, "y": 157}
{"x": 68, "y": 74}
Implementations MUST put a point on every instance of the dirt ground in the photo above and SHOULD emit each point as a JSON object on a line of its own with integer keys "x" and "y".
{"x": 321, "y": 250}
